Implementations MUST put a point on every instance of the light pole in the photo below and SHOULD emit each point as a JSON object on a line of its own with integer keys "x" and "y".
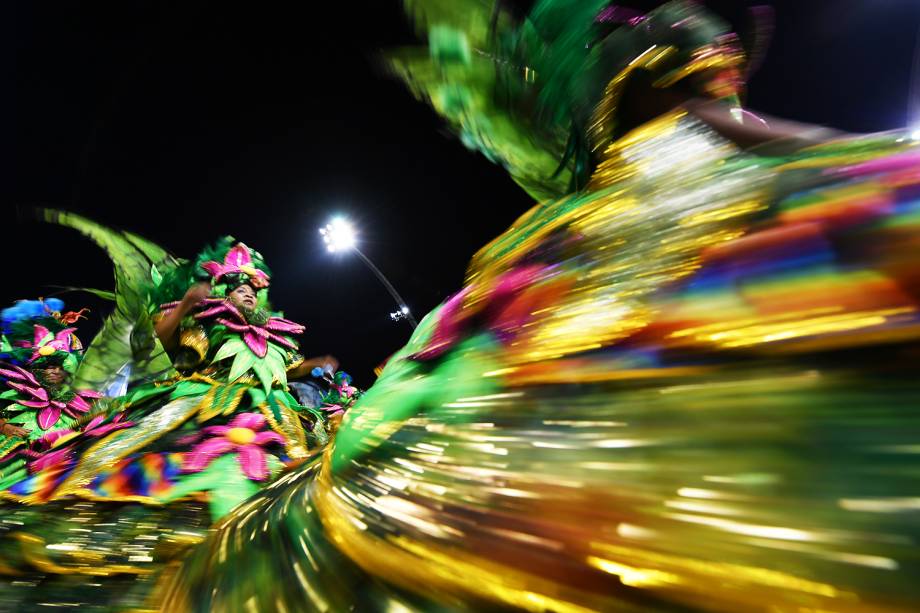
{"x": 340, "y": 236}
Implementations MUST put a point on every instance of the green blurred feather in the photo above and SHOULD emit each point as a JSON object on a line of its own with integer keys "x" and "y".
{"x": 127, "y": 335}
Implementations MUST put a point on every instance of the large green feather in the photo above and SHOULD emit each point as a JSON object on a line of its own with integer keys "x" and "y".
{"x": 127, "y": 336}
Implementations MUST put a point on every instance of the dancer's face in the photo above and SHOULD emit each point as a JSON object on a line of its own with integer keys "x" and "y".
{"x": 54, "y": 375}
{"x": 244, "y": 297}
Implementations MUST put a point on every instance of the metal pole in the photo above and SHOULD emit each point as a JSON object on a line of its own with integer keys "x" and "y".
{"x": 386, "y": 283}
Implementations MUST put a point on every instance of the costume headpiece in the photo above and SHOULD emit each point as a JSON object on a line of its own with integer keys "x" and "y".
{"x": 36, "y": 334}
{"x": 233, "y": 263}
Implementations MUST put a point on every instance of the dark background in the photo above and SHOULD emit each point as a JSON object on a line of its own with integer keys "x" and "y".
{"x": 183, "y": 121}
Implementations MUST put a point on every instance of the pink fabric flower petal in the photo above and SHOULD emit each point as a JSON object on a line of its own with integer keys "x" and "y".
{"x": 48, "y": 439}
{"x": 40, "y": 333}
{"x": 448, "y": 327}
{"x": 110, "y": 427}
{"x": 263, "y": 438}
{"x": 39, "y": 392}
{"x": 282, "y": 341}
{"x": 78, "y": 404}
{"x": 253, "y": 421}
{"x": 215, "y": 269}
{"x": 256, "y": 343}
{"x": 231, "y": 308}
{"x": 188, "y": 439}
{"x": 62, "y": 339}
{"x": 214, "y": 310}
{"x": 34, "y": 404}
{"x": 238, "y": 256}
{"x": 90, "y": 394}
{"x": 278, "y": 324}
{"x": 216, "y": 430}
{"x": 27, "y": 376}
{"x": 95, "y": 421}
{"x": 48, "y": 417}
{"x": 51, "y": 459}
{"x": 252, "y": 461}
{"x": 11, "y": 374}
{"x": 233, "y": 326}
{"x": 202, "y": 455}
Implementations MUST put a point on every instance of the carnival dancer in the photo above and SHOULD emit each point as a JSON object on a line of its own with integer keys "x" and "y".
{"x": 39, "y": 355}
{"x": 686, "y": 380}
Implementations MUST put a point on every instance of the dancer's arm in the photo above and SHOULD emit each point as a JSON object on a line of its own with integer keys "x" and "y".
{"x": 757, "y": 130}
{"x": 166, "y": 328}
{"x": 309, "y": 364}
{"x": 8, "y": 429}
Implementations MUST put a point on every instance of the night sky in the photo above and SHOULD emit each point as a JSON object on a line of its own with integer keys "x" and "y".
{"x": 184, "y": 121}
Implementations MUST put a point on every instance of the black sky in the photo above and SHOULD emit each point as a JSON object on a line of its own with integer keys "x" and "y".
{"x": 183, "y": 121}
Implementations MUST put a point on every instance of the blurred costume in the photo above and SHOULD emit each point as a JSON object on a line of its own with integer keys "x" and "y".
{"x": 39, "y": 355}
{"x": 683, "y": 381}
{"x": 200, "y": 428}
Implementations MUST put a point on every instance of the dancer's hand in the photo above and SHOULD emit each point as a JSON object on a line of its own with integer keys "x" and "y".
{"x": 14, "y": 430}
{"x": 331, "y": 362}
{"x": 196, "y": 294}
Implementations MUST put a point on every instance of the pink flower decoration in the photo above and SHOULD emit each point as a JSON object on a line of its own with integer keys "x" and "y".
{"x": 333, "y": 409}
{"x": 237, "y": 261}
{"x": 43, "y": 346}
{"x": 49, "y": 409}
{"x": 50, "y": 459}
{"x": 96, "y": 428}
{"x": 256, "y": 337}
{"x": 243, "y": 435}
{"x": 454, "y": 319}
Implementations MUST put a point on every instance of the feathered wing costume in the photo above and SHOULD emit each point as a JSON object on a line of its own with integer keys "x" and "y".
{"x": 686, "y": 382}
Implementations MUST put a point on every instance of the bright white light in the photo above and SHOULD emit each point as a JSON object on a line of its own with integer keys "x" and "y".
{"x": 405, "y": 310}
{"x": 338, "y": 235}
{"x": 915, "y": 134}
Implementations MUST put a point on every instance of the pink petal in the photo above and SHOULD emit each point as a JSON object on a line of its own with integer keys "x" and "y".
{"x": 233, "y": 326}
{"x": 256, "y": 343}
{"x": 48, "y": 417}
{"x": 90, "y": 394}
{"x": 36, "y": 392}
{"x": 63, "y": 338}
{"x": 110, "y": 427}
{"x": 78, "y": 404}
{"x": 203, "y": 454}
{"x": 263, "y": 438}
{"x": 282, "y": 341}
{"x": 40, "y": 333}
{"x": 234, "y": 311}
{"x": 253, "y": 421}
{"x": 34, "y": 404}
{"x": 27, "y": 376}
{"x": 51, "y": 459}
{"x": 283, "y": 325}
{"x": 238, "y": 256}
{"x": 48, "y": 439}
{"x": 214, "y": 310}
{"x": 188, "y": 439}
{"x": 216, "y": 430}
{"x": 252, "y": 461}
{"x": 11, "y": 374}
{"x": 215, "y": 269}
{"x": 448, "y": 327}
{"x": 95, "y": 421}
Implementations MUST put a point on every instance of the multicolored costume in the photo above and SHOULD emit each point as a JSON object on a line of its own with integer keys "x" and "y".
{"x": 213, "y": 427}
{"x": 683, "y": 381}
{"x": 39, "y": 355}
